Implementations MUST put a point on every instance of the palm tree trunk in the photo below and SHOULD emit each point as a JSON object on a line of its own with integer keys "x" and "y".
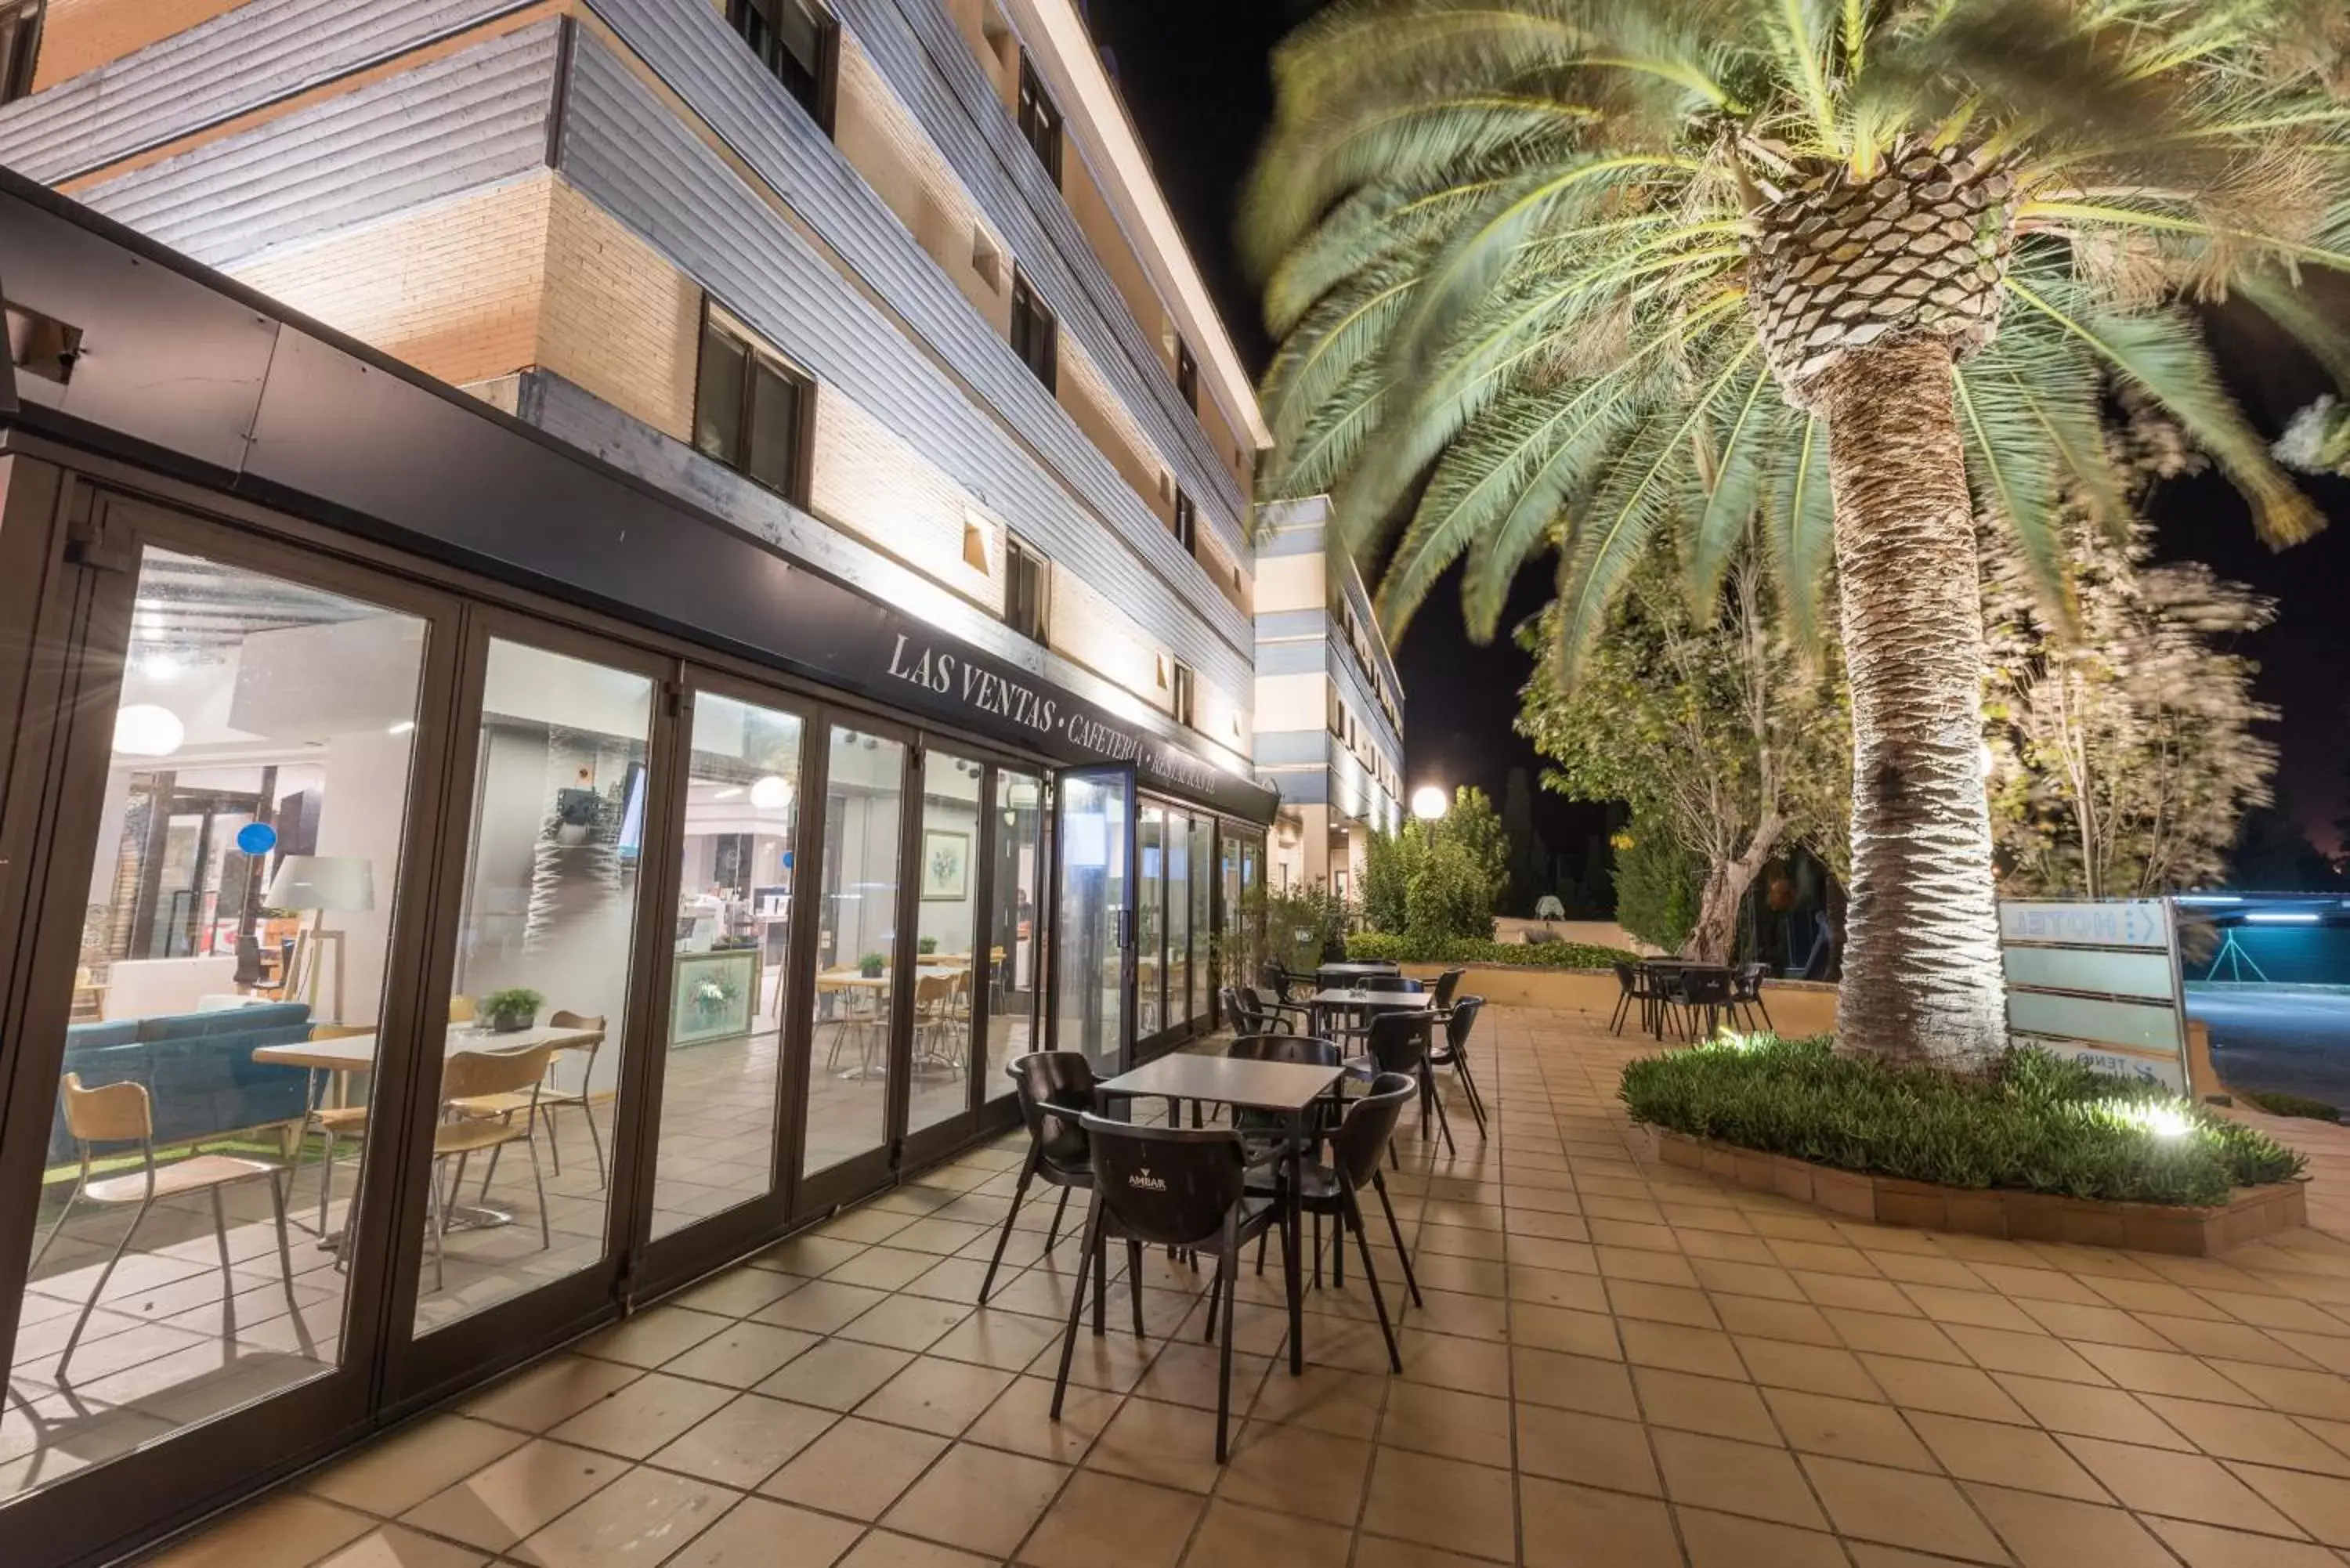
{"x": 1921, "y": 972}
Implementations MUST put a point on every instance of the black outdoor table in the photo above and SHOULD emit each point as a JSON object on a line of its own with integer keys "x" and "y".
{"x": 1354, "y": 1002}
{"x": 1287, "y": 1088}
{"x": 1339, "y": 973}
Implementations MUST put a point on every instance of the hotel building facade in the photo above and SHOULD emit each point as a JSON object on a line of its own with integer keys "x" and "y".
{"x": 611, "y": 606}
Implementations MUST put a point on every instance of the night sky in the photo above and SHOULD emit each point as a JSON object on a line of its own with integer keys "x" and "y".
{"x": 1194, "y": 76}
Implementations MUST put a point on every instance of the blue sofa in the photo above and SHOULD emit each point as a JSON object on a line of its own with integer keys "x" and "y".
{"x": 198, "y": 1067}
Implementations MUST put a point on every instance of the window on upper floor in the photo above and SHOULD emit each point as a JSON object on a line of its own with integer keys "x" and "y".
{"x": 20, "y": 46}
{"x": 1035, "y": 335}
{"x": 1187, "y": 523}
{"x": 795, "y": 39}
{"x": 1181, "y": 703}
{"x": 752, "y": 412}
{"x": 1336, "y": 714}
{"x": 1187, "y": 374}
{"x": 1028, "y": 588}
{"x": 1040, "y": 118}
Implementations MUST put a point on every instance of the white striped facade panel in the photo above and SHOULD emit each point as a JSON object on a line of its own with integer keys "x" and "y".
{"x": 629, "y": 154}
{"x": 700, "y": 60}
{"x": 454, "y": 125}
{"x": 253, "y": 55}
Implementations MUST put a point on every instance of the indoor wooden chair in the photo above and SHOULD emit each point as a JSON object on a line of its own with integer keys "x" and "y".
{"x": 474, "y": 1077}
{"x": 120, "y": 1114}
{"x": 332, "y": 1123}
{"x": 542, "y": 1102}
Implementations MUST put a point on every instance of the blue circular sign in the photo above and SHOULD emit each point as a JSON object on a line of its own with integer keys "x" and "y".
{"x": 256, "y": 838}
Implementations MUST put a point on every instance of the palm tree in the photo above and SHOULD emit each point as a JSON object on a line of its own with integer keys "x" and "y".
{"x": 1583, "y": 274}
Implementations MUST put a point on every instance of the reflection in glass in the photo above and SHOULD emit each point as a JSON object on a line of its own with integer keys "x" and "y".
{"x": 718, "y": 1104}
{"x": 946, "y": 911}
{"x": 1016, "y": 924}
{"x": 1149, "y": 923}
{"x": 235, "y": 931}
{"x": 1203, "y": 892}
{"x": 1087, "y": 975}
{"x": 530, "y": 1061}
{"x": 856, "y": 950}
{"x": 1179, "y": 918}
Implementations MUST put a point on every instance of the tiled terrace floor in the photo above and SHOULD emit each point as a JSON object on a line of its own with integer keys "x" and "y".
{"x": 1620, "y": 1364}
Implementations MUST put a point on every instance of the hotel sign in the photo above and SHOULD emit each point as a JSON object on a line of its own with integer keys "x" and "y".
{"x": 2097, "y": 981}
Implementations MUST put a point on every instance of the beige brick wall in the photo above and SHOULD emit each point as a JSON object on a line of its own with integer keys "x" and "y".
{"x": 1000, "y": 54}
{"x": 453, "y": 288}
{"x": 881, "y": 140}
{"x": 1084, "y": 393}
{"x": 617, "y": 319}
{"x": 868, "y": 481}
{"x": 529, "y": 272}
{"x": 77, "y": 35}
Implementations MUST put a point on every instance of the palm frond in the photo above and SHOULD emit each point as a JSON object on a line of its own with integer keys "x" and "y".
{"x": 1799, "y": 526}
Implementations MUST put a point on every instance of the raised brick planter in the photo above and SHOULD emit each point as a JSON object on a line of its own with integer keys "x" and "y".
{"x": 2249, "y": 1215}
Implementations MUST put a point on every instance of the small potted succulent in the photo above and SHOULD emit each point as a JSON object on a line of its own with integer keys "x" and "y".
{"x": 871, "y": 965}
{"x": 512, "y": 1011}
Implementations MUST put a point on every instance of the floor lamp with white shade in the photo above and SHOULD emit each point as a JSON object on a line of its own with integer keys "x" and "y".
{"x": 321, "y": 885}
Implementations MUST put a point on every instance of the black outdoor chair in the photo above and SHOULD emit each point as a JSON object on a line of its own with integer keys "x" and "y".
{"x": 1702, "y": 992}
{"x": 1448, "y": 984}
{"x": 1256, "y": 1014}
{"x": 1335, "y": 1189}
{"x": 1055, "y": 1089}
{"x": 1278, "y": 980}
{"x": 1184, "y": 1187}
{"x": 1453, "y": 1052}
{"x": 1746, "y": 994}
{"x": 1402, "y": 983}
{"x": 1633, "y": 991}
{"x": 1399, "y": 1043}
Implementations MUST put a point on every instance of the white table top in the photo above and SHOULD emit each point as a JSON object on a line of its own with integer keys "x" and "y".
{"x": 356, "y": 1053}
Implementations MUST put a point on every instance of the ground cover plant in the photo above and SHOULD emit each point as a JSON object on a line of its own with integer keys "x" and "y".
{"x": 2030, "y": 1121}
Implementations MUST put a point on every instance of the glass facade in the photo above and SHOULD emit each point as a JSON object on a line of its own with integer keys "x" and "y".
{"x": 211, "y": 1105}
{"x": 529, "y": 1055}
{"x": 857, "y": 958}
{"x": 737, "y": 859}
{"x": 946, "y": 923}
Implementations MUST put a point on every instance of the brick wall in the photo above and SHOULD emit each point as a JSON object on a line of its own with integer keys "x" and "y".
{"x": 869, "y": 483}
{"x": 618, "y": 319}
{"x": 453, "y": 288}
{"x": 526, "y": 274}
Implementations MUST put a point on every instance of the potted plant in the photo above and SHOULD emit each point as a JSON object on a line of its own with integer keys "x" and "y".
{"x": 871, "y": 965}
{"x": 927, "y": 945}
{"x": 511, "y": 1010}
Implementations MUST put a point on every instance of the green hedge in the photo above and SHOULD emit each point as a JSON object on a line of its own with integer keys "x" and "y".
{"x": 2034, "y": 1122}
{"x": 1369, "y": 946}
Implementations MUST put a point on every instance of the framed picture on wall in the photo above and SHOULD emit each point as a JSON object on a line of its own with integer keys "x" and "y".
{"x": 946, "y": 865}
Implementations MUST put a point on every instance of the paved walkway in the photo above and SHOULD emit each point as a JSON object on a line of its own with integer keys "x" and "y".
{"x": 1620, "y": 1364}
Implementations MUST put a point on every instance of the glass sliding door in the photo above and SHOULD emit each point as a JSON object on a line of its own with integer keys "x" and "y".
{"x": 1015, "y": 895}
{"x": 1150, "y": 920}
{"x": 947, "y": 957}
{"x": 1203, "y": 892}
{"x": 1092, "y": 971}
{"x": 857, "y": 960}
{"x": 528, "y": 1051}
{"x": 737, "y": 859}
{"x": 210, "y": 980}
{"x": 1178, "y": 918}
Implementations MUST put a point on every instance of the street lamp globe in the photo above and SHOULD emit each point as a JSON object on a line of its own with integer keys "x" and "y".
{"x": 1430, "y": 803}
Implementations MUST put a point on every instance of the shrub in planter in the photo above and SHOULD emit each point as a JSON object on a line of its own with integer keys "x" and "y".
{"x": 2279, "y": 1104}
{"x": 871, "y": 965}
{"x": 513, "y": 1009}
{"x": 2031, "y": 1122}
{"x": 1367, "y": 947}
